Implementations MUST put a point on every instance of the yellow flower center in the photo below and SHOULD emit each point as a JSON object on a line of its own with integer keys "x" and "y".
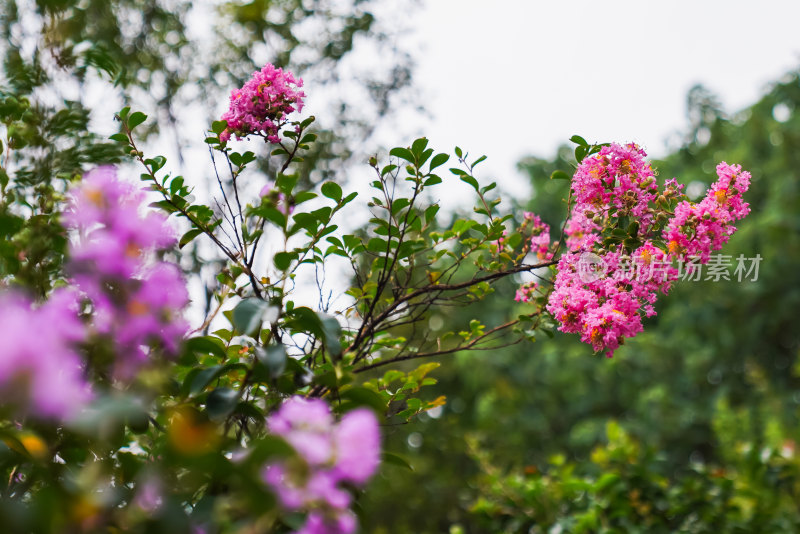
{"x": 137, "y": 307}
{"x": 132, "y": 250}
{"x": 95, "y": 196}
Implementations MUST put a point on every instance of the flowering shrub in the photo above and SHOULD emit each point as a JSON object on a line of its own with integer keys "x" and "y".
{"x": 266, "y": 416}
{"x": 622, "y": 223}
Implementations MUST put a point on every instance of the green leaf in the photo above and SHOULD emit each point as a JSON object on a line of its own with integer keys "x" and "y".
{"x": 361, "y": 396}
{"x": 136, "y": 118}
{"x": 197, "y": 382}
{"x": 188, "y": 237}
{"x": 559, "y": 175}
{"x": 283, "y": 260}
{"x": 470, "y": 180}
{"x": 578, "y": 140}
{"x": 402, "y": 153}
{"x": 394, "y": 459}
{"x": 332, "y": 190}
{"x": 273, "y": 358}
{"x": 418, "y": 147}
{"x": 480, "y": 159}
{"x": 221, "y": 403}
{"x": 439, "y": 159}
{"x": 304, "y": 196}
{"x": 580, "y": 152}
{"x": 248, "y": 314}
{"x": 304, "y": 319}
{"x": 219, "y": 126}
{"x": 331, "y": 331}
{"x": 119, "y": 137}
{"x": 205, "y": 345}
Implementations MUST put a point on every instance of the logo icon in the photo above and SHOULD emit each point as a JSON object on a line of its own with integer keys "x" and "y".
{"x": 591, "y": 267}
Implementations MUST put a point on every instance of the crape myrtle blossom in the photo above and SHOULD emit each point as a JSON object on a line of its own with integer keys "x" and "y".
{"x": 618, "y": 184}
{"x": 540, "y": 235}
{"x": 699, "y": 229}
{"x": 332, "y": 453}
{"x": 41, "y": 373}
{"x": 260, "y": 107}
{"x": 136, "y": 300}
{"x": 526, "y": 292}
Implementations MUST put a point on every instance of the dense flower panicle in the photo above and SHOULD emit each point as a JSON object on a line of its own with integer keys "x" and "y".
{"x": 348, "y": 451}
{"x": 702, "y": 228}
{"x": 605, "y": 307}
{"x": 137, "y": 302}
{"x": 40, "y": 371}
{"x": 619, "y": 177}
{"x": 261, "y": 105}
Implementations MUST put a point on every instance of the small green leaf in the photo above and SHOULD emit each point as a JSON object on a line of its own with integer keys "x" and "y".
{"x": 578, "y": 140}
{"x": 197, "y": 382}
{"x": 189, "y": 236}
{"x": 470, "y": 180}
{"x": 205, "y": 345}
{"x": 136, "y": 118}
{"x": 221, "y": 403}
{"x": 559, "y": 175}
{"x": 439, "y": 159}
{"x": 219, "y": 126}
{"x": 402, "y": 153}
{"x": 331, "y": 331}
{"x": 332, "y": 190}
{"x": 394, "y": 459}
{"x": 273, "y": 358}
{"x": 361, "y": 396}
{"x": 418, "y": 147}
{"x": 283, "y": 260}
{"x": 580, "y": 152}
{"x": 248, "y": 314}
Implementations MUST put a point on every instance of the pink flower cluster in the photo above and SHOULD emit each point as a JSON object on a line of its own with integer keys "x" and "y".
{"x": 698, "y": 229}
{"x": 261, "y": 105}
{"x": 540, "y": 236}
{"x": 618, "y": 177}
{"x": 137, "y": 301}
{"x": 332, "y": 454}
{"x": 40, "y": 371}
{"x": 602, "y": 291}
{"x": 526, "y": 292}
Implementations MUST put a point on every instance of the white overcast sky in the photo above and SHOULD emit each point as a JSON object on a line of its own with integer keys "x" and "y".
{"x": 513, "y": 78}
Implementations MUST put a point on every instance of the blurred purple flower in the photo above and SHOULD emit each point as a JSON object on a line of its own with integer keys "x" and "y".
{"x": 348, "y": 451}
{"x": 40, "y": 371}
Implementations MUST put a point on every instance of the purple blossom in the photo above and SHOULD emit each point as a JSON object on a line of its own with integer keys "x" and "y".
{"x": 348, "y": 451}
{"x": 40, "y": 370}
{"x": 137, "y": 302}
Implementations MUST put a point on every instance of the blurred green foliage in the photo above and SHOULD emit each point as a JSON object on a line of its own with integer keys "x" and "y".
{"x": 705, "y": 401}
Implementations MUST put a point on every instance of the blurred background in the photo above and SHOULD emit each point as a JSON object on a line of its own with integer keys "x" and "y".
{"x": 693, "y": 425}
